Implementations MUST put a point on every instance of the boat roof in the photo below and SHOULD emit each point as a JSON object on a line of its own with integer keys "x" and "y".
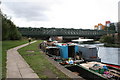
{"x": 88, "y": 46}
{"x": 90, "y": 64}
{"x": 82, "y": 40}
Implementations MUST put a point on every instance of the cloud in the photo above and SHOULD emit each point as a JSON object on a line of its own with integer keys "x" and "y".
{"x": 31, "y": 11}
{"x": 61, "y": 13}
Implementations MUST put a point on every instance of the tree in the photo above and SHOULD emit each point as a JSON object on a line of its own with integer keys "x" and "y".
{"x": 107, "y": 39}
{"x": 9, "y": 29}
{"x": 112, "y": 27}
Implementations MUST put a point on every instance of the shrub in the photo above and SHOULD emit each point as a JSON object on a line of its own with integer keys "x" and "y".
{"x": 107, "y": 39}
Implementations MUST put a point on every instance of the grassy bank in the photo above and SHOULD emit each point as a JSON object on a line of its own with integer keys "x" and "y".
{"x": 5, "y": 46}
{"x": 38, "y": 63}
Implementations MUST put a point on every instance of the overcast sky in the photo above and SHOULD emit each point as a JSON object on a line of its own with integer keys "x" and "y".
{"x": 61, "y": 13}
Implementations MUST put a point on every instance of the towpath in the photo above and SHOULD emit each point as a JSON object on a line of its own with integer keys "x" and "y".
{"x": 17, "y": 66}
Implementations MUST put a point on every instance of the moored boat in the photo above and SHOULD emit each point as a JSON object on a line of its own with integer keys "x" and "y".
{"x": 89, "y": 53}
{"x": 88, "y": 70}
{"x": 101, "y": 70}
{"x": 95, "y": 71}
{"x": 112, "y": 65}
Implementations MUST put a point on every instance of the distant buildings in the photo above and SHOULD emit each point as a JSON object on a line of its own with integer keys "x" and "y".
{"x": 101, "y": 26}
{"x": 117, "y": 27}
{"x": 107, "y": 23}
{"x": 111, "y": 26}
{"x": 119, "y": 11}
{"x": 118, "y": 24}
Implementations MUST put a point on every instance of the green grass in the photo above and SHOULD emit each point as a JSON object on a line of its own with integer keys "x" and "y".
{"x": 38, "y": 62}
{"x": 5, "y": 46}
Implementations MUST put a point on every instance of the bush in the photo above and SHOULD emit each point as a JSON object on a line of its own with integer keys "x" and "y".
{"x": 107, "y": 39}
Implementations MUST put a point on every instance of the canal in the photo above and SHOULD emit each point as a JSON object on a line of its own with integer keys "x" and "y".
{"x": 109, "y": 55}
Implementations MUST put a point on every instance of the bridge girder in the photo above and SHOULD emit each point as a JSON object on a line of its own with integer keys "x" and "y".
{"x": 45, "y": 32}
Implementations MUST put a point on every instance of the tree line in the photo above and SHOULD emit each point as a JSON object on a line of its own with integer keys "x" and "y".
{"x": 9, "y": 29}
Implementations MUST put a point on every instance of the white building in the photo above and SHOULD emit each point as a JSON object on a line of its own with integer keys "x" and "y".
{"x": 119, "y": 11}
{"x": 116, "y": 27}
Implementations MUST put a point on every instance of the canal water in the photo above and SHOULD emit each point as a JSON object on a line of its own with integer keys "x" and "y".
{"x": 109, "y": 55}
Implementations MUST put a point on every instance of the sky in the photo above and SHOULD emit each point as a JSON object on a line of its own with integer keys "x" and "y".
{"x": 78, "y": 14}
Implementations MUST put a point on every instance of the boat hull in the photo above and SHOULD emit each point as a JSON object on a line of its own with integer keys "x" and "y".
{"x": 85, "y": 70}
{"x": 86, "y": 74}
{"x": 112, "y": 65}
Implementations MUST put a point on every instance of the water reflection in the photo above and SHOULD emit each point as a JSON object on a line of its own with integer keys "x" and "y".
{"x": 119, "y": 56}
{"x": 109, "y": 55}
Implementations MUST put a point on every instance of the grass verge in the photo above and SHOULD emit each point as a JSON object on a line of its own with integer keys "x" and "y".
{"x": 5, "y": 46}
{"x": 38, "y": 63}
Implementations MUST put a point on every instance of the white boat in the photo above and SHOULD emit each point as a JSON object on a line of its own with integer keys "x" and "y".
{"x": 82, "y": 40}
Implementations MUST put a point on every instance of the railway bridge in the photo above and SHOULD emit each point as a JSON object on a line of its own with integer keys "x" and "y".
{"x": 65, "y": 32}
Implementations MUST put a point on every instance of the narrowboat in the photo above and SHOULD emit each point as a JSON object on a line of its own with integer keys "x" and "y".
{"x": 89, "y": 53}
{"x": 95, "y": 71}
